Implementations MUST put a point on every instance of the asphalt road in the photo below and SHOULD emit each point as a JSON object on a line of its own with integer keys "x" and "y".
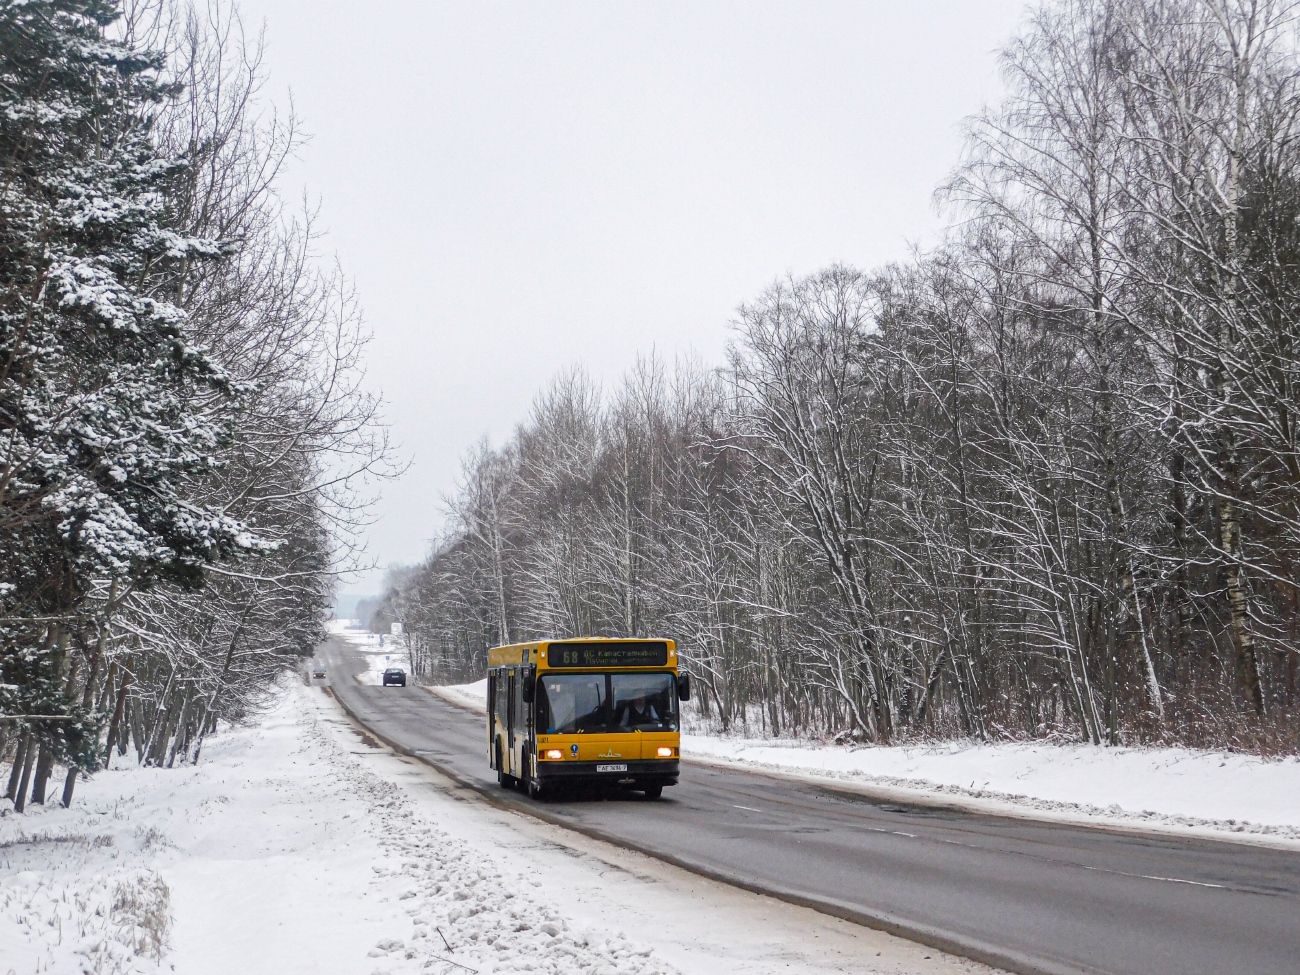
{"x": 1030, "y": 897}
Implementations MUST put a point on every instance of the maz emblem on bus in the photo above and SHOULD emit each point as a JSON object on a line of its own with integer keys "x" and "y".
{"x": 611, "y": 754}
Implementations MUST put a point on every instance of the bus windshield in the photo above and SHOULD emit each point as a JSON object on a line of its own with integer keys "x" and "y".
{"x": 569, "y": 704}
{"x": 643, "y": 702}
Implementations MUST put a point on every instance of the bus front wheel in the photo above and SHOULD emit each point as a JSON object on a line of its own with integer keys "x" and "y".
{"x": 531, "y": 786}
{"x": 653, "y": 791}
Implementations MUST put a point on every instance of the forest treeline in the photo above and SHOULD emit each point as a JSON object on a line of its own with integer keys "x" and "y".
{"x": 1043, "y": 480}
{"x": 181, "y": 420}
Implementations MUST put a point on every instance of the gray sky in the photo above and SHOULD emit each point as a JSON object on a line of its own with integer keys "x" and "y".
{"x": 516, "y": 187}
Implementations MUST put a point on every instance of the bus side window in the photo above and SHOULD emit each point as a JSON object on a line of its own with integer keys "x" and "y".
{"x": 521, "y": 709}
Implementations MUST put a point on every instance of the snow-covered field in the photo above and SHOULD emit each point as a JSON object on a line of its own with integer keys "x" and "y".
{"x": 1168, "y": 788}
{"x": 298, "y": 845}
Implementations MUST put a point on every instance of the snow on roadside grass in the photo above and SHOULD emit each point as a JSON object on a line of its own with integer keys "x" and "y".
{"x": 1222, "y": 791}
{"x": 279, "y": 852}
{"x": 110, "y": 921}
{"x": 471, "y": 696}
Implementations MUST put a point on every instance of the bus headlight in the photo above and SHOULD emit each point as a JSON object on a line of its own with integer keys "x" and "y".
{"x": 664, "y": 752}
{"x": 554, "y": 754}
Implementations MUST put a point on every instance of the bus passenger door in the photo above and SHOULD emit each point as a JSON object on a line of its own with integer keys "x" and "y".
{"x": 512, "y": 691}
{"x": 491, "y": 717}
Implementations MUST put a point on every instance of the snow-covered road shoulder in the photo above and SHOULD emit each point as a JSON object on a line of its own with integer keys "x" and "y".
{"x": 471, "y": 697}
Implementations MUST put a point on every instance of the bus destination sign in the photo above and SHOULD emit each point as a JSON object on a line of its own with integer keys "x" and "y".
{"x": 640, "y": 653}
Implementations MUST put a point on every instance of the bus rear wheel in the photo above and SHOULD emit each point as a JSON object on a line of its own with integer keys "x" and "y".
{"x": 653, "y": 791}
{"x": 503, "y": 780}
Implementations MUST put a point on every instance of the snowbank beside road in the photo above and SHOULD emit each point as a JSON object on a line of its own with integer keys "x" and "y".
{"x": 471, "y": 696}
{"x": 1166, "y": 787}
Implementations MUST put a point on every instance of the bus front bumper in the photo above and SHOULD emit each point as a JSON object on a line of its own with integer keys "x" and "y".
{"x": 660, "y": 771}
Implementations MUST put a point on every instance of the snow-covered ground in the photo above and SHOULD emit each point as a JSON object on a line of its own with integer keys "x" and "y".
{"x": 299, "y": 845}
{"x": 1166, "y": 788}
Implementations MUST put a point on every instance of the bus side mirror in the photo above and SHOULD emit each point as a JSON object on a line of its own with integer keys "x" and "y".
{"x": 684, "y": 687}
{"x": 528, "y": 688}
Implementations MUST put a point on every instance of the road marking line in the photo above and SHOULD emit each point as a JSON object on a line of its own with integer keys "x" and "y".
{"x": 1117, "y": 873}
{"x": 1168, "y": 880}
{"x": 750, "y": 808}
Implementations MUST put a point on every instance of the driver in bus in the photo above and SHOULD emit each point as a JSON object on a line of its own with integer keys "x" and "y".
{"x": 639, "y": 711}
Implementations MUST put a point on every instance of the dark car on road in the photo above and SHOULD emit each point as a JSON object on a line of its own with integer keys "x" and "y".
{"x": 318, "y": 673}
{"x": 395, "y": 675}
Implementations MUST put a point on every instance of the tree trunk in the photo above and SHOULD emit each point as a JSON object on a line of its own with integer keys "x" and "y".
{"x": 160, "y": 716}
{"x": 170, "y": 714}
{"x": 29, "y": 755}
{"x": 177, "y": 739}
{"x": 20, "y": 759}
{"x": 1243, "y": 637}
{"x": 69, "y": 784}
{"x": 117, "y": 715}
{"x": 200, "y": 724}
{"x": 44, "y": 766}
{"x": 107, "y": 688}
{"x": 136, "y": 724}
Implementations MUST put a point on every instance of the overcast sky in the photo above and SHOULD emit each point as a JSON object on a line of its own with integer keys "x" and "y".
{"x": 516, "y": 187}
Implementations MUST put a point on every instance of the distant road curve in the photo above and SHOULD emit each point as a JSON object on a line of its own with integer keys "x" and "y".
{"x": 1033, "y": 898}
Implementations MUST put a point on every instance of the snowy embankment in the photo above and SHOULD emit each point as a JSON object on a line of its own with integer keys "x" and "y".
{"x": 1165, "y": 787}
{"x": 472, "y": 696}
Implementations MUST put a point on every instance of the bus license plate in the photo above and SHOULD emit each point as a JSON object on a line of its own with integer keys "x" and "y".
{"x": 611, "y": 768}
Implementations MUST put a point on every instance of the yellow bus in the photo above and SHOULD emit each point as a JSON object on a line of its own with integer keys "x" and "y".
{"x": 585, "y": 710}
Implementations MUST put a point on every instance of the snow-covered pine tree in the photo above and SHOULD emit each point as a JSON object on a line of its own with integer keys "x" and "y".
{"x": 106, "y": 411}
